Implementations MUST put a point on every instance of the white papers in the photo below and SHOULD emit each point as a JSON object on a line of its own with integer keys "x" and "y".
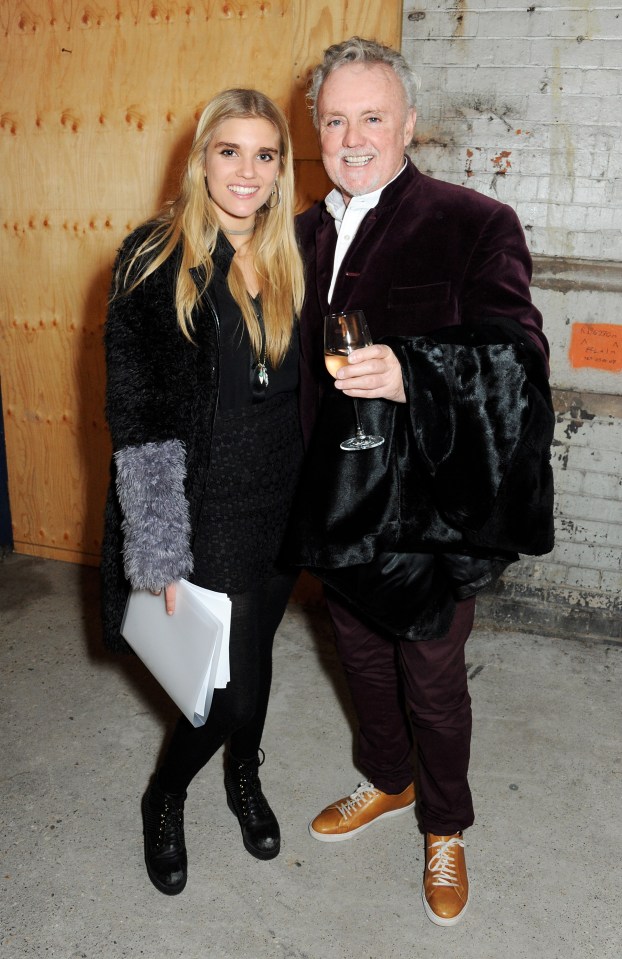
{"x": 219, "y": 605}
{"x": 188, "y": 652}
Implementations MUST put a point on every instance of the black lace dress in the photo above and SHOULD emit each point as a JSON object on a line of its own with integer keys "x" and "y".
{"x": 255, "y": 457}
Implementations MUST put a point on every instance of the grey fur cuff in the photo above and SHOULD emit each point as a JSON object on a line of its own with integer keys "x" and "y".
{"x": 156, "y": 523}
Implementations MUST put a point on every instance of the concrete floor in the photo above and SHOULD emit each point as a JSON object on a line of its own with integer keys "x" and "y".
{"x": 83, "y": 731}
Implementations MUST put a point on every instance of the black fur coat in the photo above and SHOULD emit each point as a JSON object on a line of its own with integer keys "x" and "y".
{"x": 461, "y": 485}
{"x": 161, "y": 399}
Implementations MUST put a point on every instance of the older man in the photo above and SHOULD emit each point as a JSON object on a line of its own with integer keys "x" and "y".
{"x": 417, "y": 255}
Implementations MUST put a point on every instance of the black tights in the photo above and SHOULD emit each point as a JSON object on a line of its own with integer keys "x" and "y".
{"x": 238, "y": 712}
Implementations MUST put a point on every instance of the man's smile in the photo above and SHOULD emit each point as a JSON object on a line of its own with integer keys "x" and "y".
{"x": 358, "y": 160}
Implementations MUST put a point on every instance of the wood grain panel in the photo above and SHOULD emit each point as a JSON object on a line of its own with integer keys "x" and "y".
{"x": 98, "y": 105}
{"x": 317, "y": 26}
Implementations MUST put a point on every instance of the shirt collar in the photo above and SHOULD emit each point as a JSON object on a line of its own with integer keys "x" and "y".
{"x": 336, "y": 205}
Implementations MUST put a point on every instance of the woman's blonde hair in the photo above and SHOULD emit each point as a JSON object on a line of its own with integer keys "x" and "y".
{"x": 191, "y": 221}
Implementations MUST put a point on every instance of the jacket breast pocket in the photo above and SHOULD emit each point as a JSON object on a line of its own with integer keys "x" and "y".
{"x": 417, "y": 309}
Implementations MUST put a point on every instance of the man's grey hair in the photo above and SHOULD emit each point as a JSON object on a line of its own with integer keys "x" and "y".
{"x": 358, "y": 50}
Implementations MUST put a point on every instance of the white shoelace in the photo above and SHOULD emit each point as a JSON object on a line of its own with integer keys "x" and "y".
{"x": 442, "y": 864}
{"x": 362, "y": 792}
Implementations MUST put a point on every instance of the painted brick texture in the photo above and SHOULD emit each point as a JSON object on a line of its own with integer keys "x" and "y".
{"x": 583, "y": 573}
{"x": 525, "y": 104}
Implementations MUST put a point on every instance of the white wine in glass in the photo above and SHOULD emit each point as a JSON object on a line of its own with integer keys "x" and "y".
{"x": 343, "y": 333}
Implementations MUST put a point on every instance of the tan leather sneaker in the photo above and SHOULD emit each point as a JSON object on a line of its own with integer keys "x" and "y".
{"x": 445, "y": 890}
{"x": 348, "y": 817}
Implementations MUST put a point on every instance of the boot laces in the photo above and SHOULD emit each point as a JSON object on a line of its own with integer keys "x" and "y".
{"x": 442, "y": 865}
{"x": 171, "y": 826}
{"x": 363, "y": 792}
{"x": 254, "y": 802}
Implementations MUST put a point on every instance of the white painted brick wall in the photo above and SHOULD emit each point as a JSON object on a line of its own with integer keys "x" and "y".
{"x": 524, "y": 103}
{"x": 584, "y": 570}
{"x": 541, "y": 83}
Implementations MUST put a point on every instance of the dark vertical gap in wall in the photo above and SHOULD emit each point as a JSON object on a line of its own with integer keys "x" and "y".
{"x": 6, "y": 531}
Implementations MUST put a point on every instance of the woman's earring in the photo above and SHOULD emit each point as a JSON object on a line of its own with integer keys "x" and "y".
{"x": 276, "y": 192}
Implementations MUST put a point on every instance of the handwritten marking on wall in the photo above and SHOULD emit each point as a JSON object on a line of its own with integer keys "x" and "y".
{"x": 597, "y": 345}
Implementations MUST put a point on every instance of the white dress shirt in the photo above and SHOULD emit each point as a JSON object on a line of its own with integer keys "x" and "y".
{"x": 348, "y": 219}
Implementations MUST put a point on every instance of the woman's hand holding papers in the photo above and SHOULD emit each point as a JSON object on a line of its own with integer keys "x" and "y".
{"x": 170, "y": 593}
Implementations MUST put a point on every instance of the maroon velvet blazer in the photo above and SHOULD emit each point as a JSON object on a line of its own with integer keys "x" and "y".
{"x": 429, "y": 255}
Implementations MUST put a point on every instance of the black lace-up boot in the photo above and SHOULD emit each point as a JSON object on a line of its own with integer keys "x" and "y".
{"x": 260, "y": 830}
{"x": 165, "y": 846}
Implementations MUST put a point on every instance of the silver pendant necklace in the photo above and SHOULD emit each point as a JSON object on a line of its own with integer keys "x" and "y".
{"x": 262, "y": 370}
{"x": 262, "y": 367}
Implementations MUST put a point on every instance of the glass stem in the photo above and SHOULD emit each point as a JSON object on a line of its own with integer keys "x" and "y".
{"x": 359, "y": 428}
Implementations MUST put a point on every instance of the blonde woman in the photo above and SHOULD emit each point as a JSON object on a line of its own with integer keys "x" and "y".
{"x": 202, "y": 364}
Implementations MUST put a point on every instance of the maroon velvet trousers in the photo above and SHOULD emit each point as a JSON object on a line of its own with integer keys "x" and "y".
{"x": 400, "y": 688}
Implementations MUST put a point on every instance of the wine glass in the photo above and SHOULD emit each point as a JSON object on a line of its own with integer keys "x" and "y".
{"x": 344, "y": 332}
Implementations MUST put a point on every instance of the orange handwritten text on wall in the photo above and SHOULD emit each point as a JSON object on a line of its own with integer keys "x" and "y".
{"x": 597, "y": 345}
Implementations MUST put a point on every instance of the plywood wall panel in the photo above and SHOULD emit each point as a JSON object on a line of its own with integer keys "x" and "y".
{"x": 318, "y": 25}
{"x": 98, "y": 105}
